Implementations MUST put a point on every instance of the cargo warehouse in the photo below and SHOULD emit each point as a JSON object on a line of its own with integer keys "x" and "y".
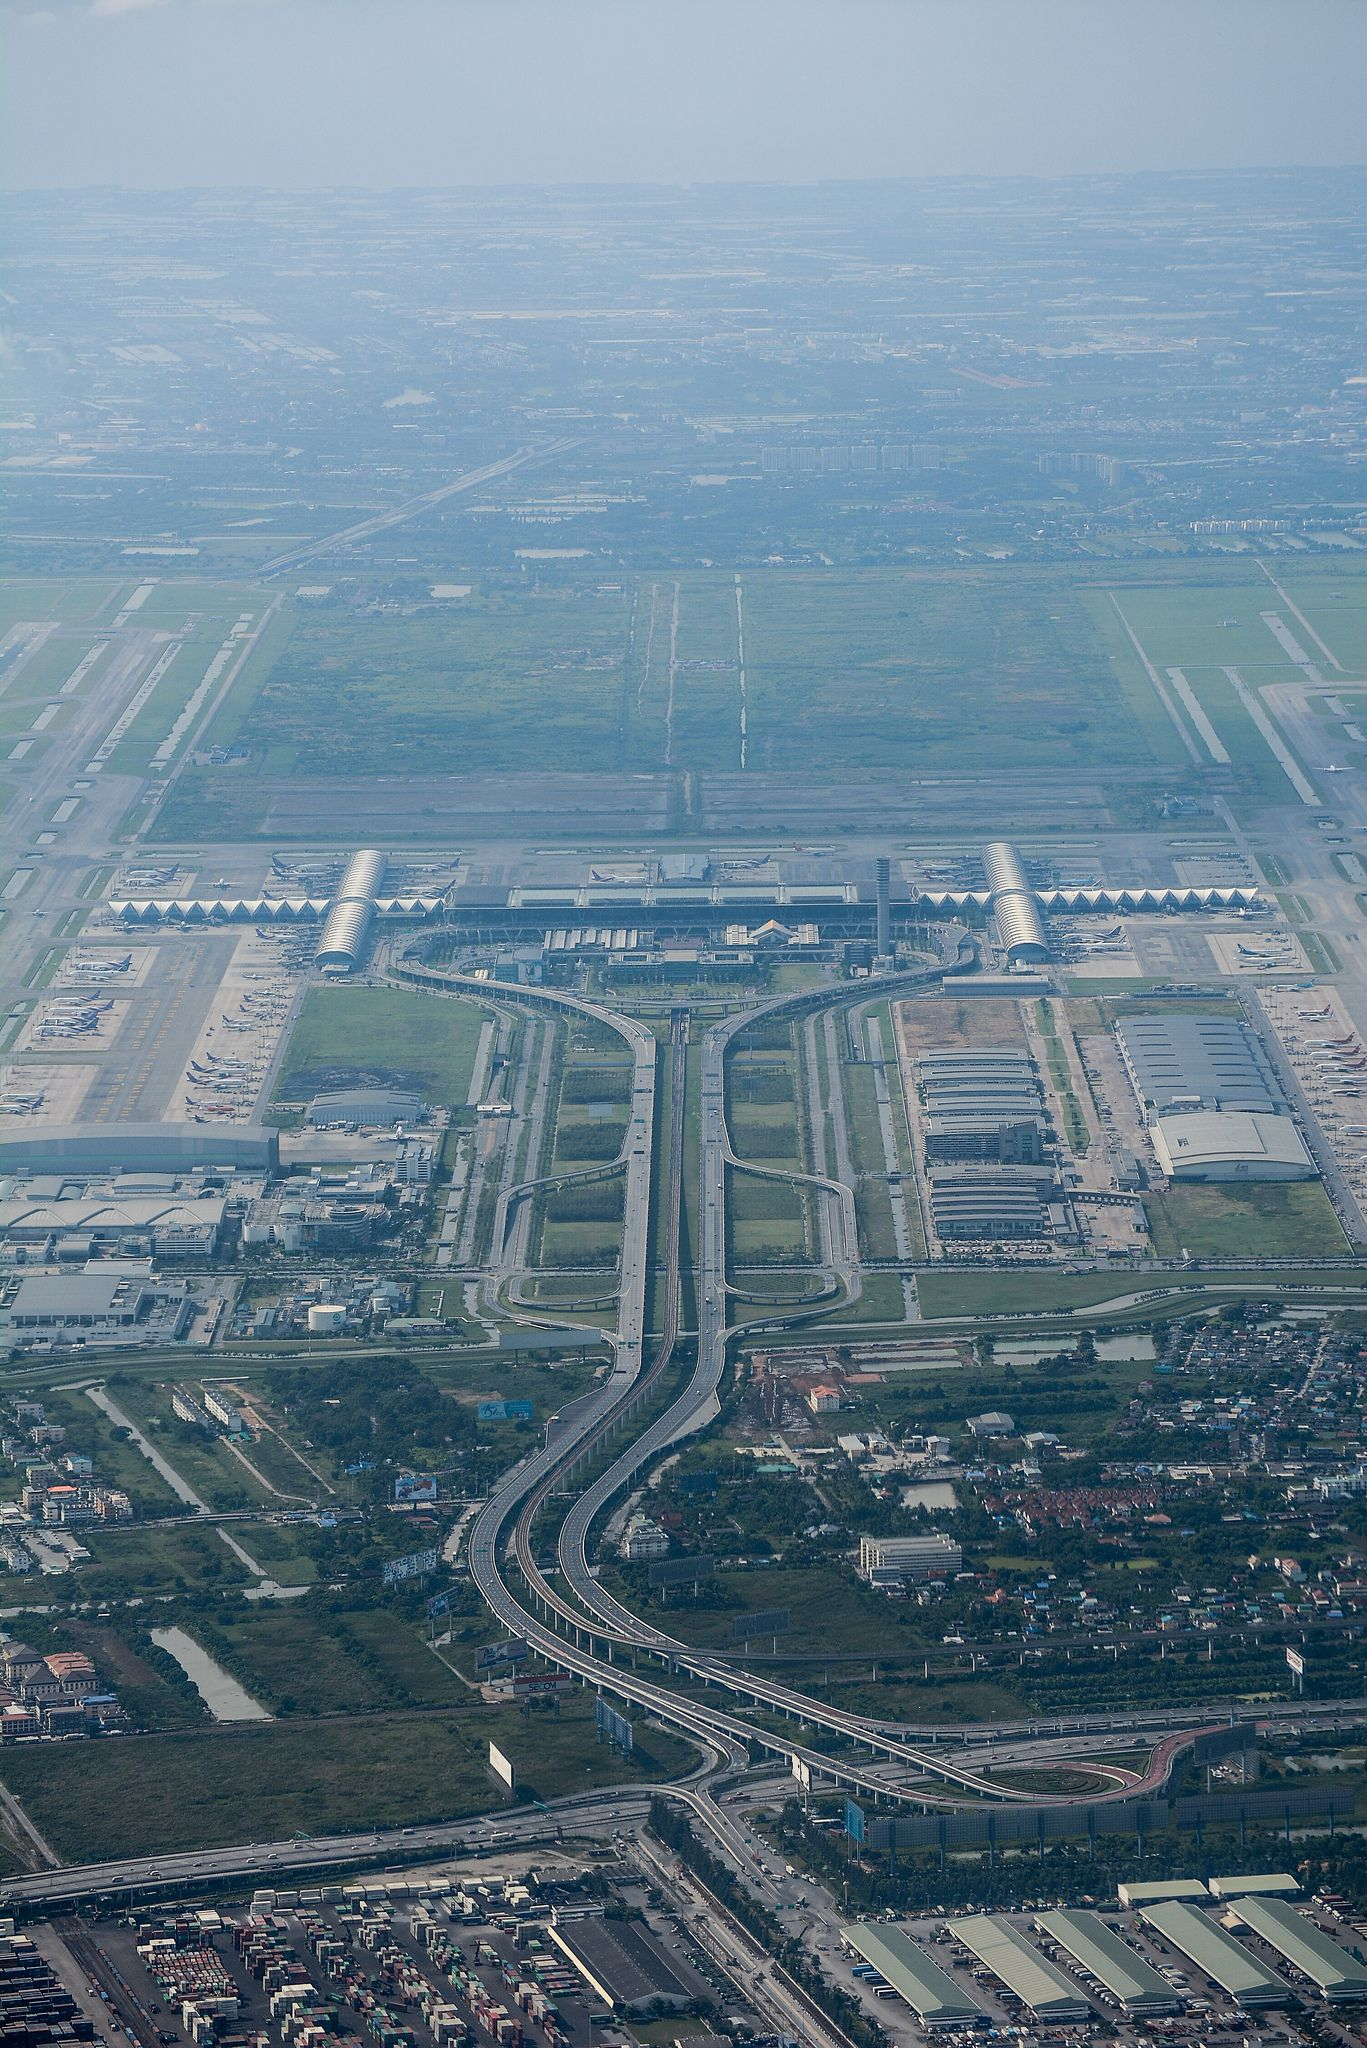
{"x": 1100, "y": 1954}
{"x": 1044, "y": 1991}
{"x": 1227, "y": 1962}
{"x": 931, "y": 1992}
{"x": 1337, "y": 1976}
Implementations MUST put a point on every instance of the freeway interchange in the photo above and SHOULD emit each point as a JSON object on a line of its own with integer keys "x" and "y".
{"x": 591, "y": 1635}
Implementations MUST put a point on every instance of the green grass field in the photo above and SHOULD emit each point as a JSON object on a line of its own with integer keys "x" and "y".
{"x": 1276, "y": 1220}
{"x": 401, "y": 1037}
{"x": 847, "y": 669}
{"x": 198, "y": 1790}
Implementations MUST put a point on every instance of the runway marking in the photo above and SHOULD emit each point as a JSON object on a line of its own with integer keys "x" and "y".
{"x": 1160, "y": 690}
{"x": 1297, "y": 613}
{"x": 1215, "y": 746}
{"x": 1285, "y": 758}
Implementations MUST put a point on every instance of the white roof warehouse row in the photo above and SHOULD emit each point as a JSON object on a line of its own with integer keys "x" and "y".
{"x": 1336, "y": 1974}
{"x": 1045, "y": 1991}
{"x": 931, "y": 1992}
{"x": 1233, "y": 1967}
{"x": 1099, "y": 1951}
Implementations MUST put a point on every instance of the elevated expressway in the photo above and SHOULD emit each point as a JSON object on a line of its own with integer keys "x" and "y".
{"x": 572, "y": 1636}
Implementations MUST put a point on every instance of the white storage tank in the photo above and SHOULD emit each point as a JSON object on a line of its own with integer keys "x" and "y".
{"x": 327, "y": 1319}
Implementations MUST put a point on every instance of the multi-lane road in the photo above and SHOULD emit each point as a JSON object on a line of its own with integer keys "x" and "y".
{"x": 583, "y": 1628}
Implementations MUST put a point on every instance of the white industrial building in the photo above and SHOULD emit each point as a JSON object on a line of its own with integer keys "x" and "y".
{"x": 1230, "y": 1144}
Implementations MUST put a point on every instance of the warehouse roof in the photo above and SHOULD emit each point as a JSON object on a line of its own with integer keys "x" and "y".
{"x": 1219, "y": 1140}
{"x": 1232, "y": 1966}
{"x": 1100, "y": 1951}
{"x": 622, "y": 1963}
{"x": 930, "y": 1991}
{"x": 1335, "y": 1973}
{"x": 1214, "y": 1062}
{"x": 109, "y": 1216}
{"x": 1255, "y": 1883}
{"x": 1046, "y": 1991}
{"x": 1161, "y": 1888}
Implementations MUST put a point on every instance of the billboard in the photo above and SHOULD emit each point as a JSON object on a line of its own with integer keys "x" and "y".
{"x": 1296, "y": 1662}
{"x": 415, "y": 1486}
{"x": 501, "y": 1767}
{"x": 771, "y": 1621}
{"x": 691, "y": 1483}
{"x": 504, "y": 1411}
{"x": 854, "y": 1821}
{"x": 802, "y": 1771}
{"x": 511, "y": 1652}
{"x": 416, "y": 1565}
{"x": 680, "y": 1571}
{"x": 527, "y": 1684}
{"x": 614, "y": 1726}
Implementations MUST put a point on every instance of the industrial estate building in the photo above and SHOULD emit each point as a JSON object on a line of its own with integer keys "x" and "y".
{"x": 624, "y": 1965}
{"x": 932, "y": 1994}
{"x": 1337, "y": 1976}
{"x": 1212, "y": 1101}
{"x": 1226, "y": 1961}
{"x": 888, "y": 1560}
{"x": 1045, "y": 1992}
{"x": 984, "y": 1131}
{"x": 1101, "y": 1955}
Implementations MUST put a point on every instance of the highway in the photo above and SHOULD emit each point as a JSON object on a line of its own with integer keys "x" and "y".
{"x": 365, "y": 529}
{"x": 601, "y": 1618}
{"x": 599, "y": 1623}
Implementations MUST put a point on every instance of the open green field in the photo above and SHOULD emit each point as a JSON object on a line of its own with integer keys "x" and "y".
{"x": 1274, "y": 1220}
{"x": 984, "y": 1292}
{"x": 72, "y": 600}
{"x": 132, "y": 1563}
{"x": 846, "y": 668}
{"x": 398, "y": 1037}
{"x": 1334, "y": 599}
{"x": 151, "y": 1795}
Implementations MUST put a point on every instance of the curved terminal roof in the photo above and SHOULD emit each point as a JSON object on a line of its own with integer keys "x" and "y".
{"x": 1014, "y": 904}
{"x": 347, "y": 931}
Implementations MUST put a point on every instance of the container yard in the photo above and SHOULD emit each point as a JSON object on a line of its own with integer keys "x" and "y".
{"x": 433, "y": 1961}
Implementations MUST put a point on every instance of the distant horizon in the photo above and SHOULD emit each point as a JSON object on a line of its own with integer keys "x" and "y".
{"x": 423, "y": 94}
{"x": 588, "y": 185}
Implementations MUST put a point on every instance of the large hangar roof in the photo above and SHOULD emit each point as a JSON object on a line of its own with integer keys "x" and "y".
{"x": 1046, "y": 1991}
{"x": 1230, "y": 1144}
{"x": 1299, "y": 1942}
{"x": 931, "y": 1992}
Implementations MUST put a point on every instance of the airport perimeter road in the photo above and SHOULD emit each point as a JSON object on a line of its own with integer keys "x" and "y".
{"x": 365, "y": 529}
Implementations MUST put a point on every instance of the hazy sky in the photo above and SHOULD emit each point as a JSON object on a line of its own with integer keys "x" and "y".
{"x": 410, "y": 92}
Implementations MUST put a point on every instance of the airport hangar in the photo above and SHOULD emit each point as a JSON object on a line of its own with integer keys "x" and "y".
{"x": 687, "y": 903}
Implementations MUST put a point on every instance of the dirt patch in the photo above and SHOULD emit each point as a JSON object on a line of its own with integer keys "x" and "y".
{"x": 110, "y": 1653}
{"x": 311, "y": 1081}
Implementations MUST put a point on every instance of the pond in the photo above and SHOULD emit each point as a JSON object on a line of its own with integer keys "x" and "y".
{"x": 221, "y": 1694}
